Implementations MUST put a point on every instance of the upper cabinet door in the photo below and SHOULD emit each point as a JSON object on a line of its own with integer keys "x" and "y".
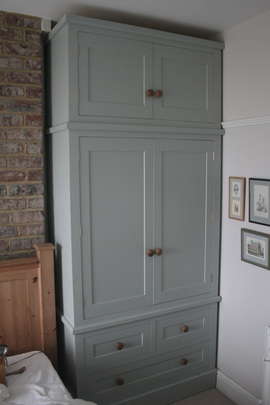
{"x": 183, "y": 228}
{"x": 113, "y": 75}
{"x": 117, "y": 222}
{"x": 186, "y": 79}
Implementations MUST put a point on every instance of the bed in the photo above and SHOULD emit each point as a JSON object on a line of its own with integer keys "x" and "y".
{"x": 28, "y": 327}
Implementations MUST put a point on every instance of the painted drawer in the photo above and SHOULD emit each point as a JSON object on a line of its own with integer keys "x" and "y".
{"x": 183, "y": 328}
{"x": 117, "y": 344}
{"x": 120, "y": 382}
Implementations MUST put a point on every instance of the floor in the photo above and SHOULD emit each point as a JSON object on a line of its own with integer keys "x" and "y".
{"x": 211, "y": 397}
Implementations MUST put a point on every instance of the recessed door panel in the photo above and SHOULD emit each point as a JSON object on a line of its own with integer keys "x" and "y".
{"x": 113, "y": 75}
{"x": 116, "y": 198}
{"x": 183, "y": 218}
{"x": 186, "y": 79}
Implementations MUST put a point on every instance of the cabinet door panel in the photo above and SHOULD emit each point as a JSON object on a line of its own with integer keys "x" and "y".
{"x": 113, "y": 74}
{"x": 186, "y": 78}
{"x": 184, "y": 174}
{"x": 116, "y": 198}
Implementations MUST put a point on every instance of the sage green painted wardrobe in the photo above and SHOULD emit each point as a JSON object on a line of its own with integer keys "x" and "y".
{"x": 134, "y": 157}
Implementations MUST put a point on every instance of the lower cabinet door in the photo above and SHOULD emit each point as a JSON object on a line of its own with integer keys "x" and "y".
{"x": 117, "y": 221}
{"x": 122, "y": 383}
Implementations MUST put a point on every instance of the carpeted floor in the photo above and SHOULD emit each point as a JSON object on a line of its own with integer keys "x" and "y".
{"x": 211, "y": 397}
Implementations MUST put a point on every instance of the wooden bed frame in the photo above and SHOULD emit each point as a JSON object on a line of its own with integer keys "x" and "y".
{"x": 27, "y": 303}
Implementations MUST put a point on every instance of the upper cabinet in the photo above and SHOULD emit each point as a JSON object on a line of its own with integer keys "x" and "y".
{"x": 107, "y": 71}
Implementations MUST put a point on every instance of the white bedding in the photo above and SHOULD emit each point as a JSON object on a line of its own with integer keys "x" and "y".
{"x": 38, "y": 384}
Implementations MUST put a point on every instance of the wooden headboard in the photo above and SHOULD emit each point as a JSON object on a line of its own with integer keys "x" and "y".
{"x": 27, "y": 303}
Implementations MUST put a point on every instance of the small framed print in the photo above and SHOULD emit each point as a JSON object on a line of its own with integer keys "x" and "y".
{"x": 259, "y": 198}
{"x": 237, "y": 190}
{"x": 255, "y": 248}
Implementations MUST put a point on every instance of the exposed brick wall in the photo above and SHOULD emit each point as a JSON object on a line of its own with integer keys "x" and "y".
{"x": 21, "y": 135}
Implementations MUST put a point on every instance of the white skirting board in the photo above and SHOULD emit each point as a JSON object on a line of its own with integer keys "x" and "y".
{"x": 235, "y": 392}
{"x": 266, "y": 369}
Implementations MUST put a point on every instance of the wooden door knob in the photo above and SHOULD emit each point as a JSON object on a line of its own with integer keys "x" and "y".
{"x": 185, "y": 328}
{"x": 120, "y": 381}
{"x": 119, "y": 345}
{"x": 184, "y": 361}
{"x": 158, "y": 94}
{"x": 149, "y": 93}
{"x": 158, "y": 251}
{"x": 150, "y": 252}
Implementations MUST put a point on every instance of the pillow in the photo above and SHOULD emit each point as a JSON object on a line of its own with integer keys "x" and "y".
{"x": 3, "y": 393}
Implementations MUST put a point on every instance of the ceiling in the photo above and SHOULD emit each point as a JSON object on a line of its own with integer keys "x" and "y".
{"x": 202, "y": 18}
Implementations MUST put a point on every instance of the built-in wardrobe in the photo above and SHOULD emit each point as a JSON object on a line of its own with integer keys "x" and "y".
{"x": 134, "y": 164}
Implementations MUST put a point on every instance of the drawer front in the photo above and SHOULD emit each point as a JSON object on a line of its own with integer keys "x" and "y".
{"x": 119, "y": 382}
{"x": 117, "y": 344}
{"x": 177, "y": 330}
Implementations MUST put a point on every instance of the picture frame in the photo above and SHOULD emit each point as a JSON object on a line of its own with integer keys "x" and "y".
{"x": 237, "y": 192}
{"x": 255, "y": 248}
{"x": 259, "y": 199}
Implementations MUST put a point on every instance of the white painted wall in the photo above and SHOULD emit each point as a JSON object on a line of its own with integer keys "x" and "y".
{"x": 245, "y": 288}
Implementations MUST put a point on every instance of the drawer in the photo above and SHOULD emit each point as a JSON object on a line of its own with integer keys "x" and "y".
{"x": 182, "y": 328}
{"x": 120, "y": 382}
{"x": 117, "y": 344}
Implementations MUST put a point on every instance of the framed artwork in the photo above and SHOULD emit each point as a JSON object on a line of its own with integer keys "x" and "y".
{"x": 237, "y": 190}
{"x": 255, "y": 248}
{"x": 259, "y": 198}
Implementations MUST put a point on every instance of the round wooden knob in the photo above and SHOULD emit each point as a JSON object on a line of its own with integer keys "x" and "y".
{"x": 119, "y": 345}
{"x": 150, "y": 252}
{"x": 158, "y": 251}
{"x": 120, "y": 381}
{"x": 158, "y": 94}
{"x": 185, "y": 328}
{"x": 149, "y": 93}
{"x": 184, "y": 362}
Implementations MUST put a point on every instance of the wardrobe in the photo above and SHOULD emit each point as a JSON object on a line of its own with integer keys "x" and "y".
{"x": 134, "y": 164}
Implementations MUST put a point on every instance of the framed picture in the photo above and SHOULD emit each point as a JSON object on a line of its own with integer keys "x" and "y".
{"x": 255, "y": 248}
{"x": 259, "y": 198}
{"x": 237, "y": 190}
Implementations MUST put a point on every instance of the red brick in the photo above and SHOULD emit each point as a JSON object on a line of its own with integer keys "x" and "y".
{"x": 34, "y": 92}
{"x": 23, "y": 77}
{"x": 11, "y": 147}
{"x": 25, "y": 162}
{"x": 24, "y": 106}
{"x": 8, "y": 231}
{"x": 22, "y": 230}
{"x": 27, "y": 134}
{"x": 7, "y": 176}
{"x": 12, "y": 204}
{"x": 34, "y": 148}
{"x": 11, "y": 34}
{"x": 32, "y": 36}
{"x": 21, "y": 244}
{"x": 36, "y": 203}
{"x": 36, "y": 229}
{"x": 3, "y": 246}
{"x": 33, "y": 64}
{"x": 27, "y": 216}
{"x": 11, "y": 91}
{"x": 25, "y": 243}
{"x": 10, "y": 120}
{"x": 35, "y": 175}
{"x": 11, "y": 63}
{"x": 3, "y": 190}
{"x": 3, "y": 161}
{"x": 34, "y": 120}
{"x": 19, "y": 20}
{"x": 23, "y": 49}
{"x": 4, "y": 218}
{"x": 25, "y": 189}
